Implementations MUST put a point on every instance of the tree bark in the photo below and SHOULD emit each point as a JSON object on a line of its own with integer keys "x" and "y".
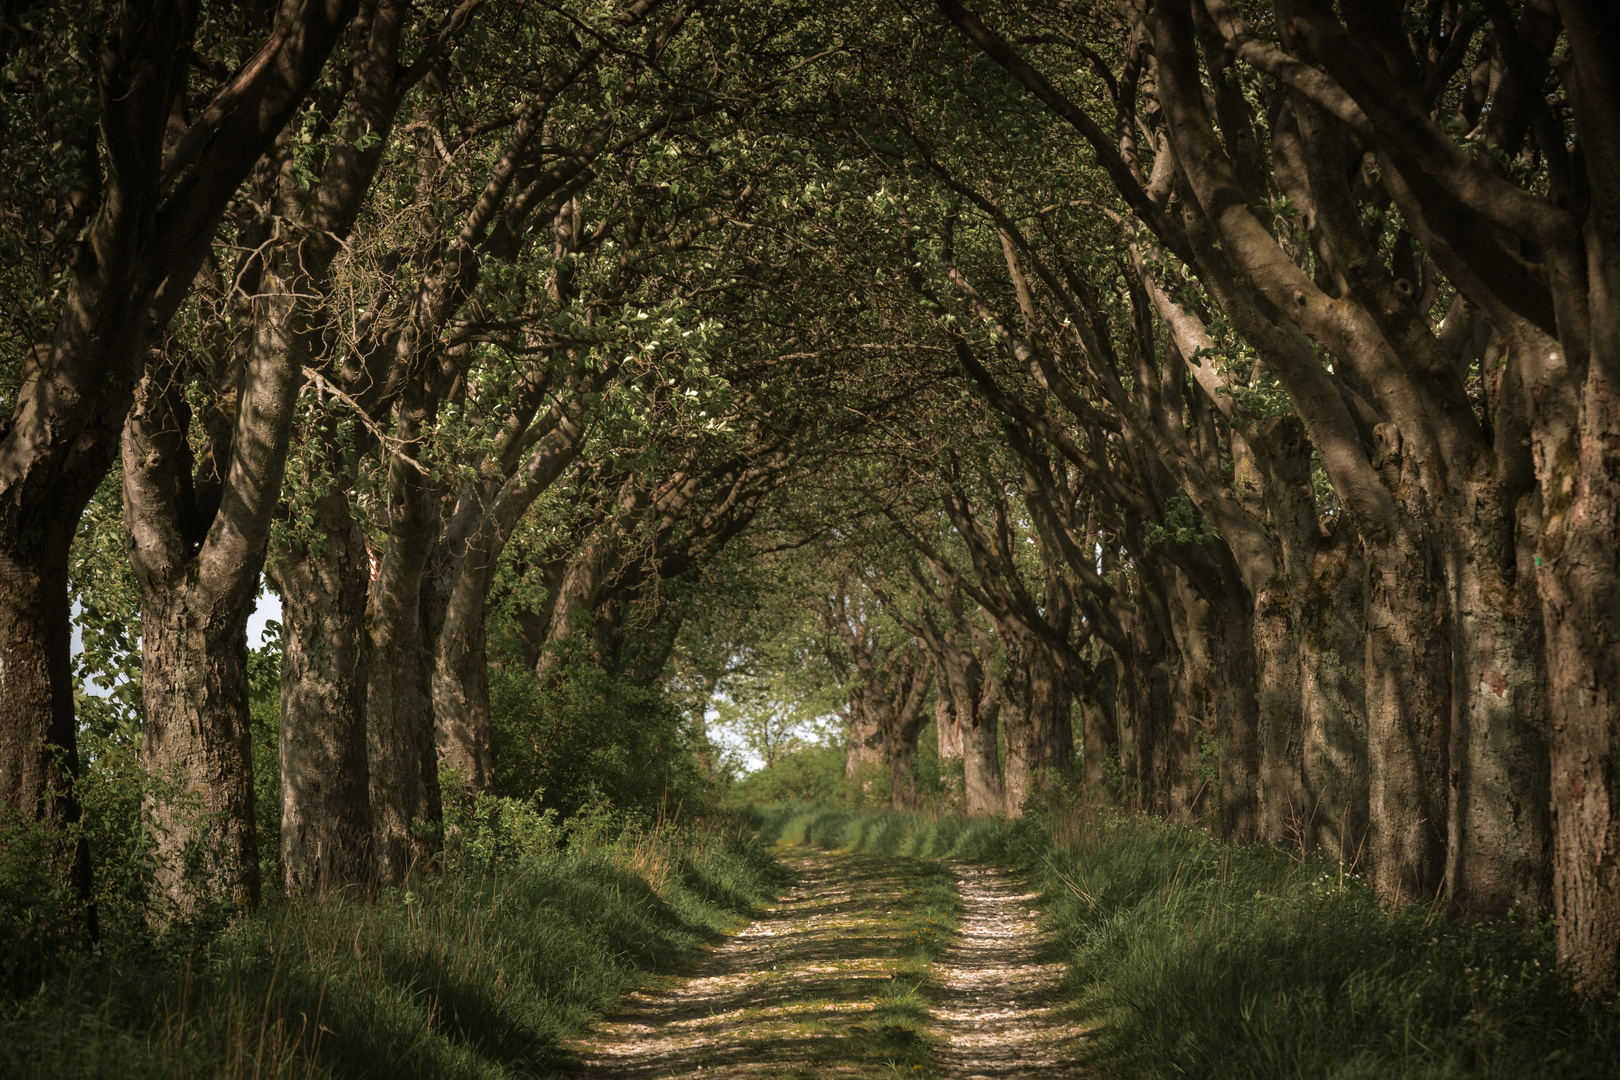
{"x": 195, "y": 738}
{"x": 947, "y": 726}
{"x": 1193, "y": 622}
{"x": 977, "y": 708}
{"x": 1099, "y": 736}
{"x": 327, "y": 833}
{"x": 1408, "y": 709}
{"x": 1333, "y": 686}
{"x": 1499, "y": 835}
{"x": 1146, "y": 699}
{"x": 406, "y": 803}
{"x": 903, "y": 771}
{"x": 1040, "y": 736}
{"x": 863, "y": 741}
{"x": 39, "y": 755}
{"x": 1235, "y": 685}
{"x": 1284, "y": 812}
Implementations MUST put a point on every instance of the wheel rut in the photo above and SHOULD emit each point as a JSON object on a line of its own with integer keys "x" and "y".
{"x": 999, "y": 1007}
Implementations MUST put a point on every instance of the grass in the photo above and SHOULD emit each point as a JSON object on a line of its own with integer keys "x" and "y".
{"x": 481, "y": 972}
{"x": 1198, "y": 959}
{"x": 920, "y": 921}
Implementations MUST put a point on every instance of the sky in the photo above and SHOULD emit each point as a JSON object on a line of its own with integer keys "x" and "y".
{"x": 268, "y": 607}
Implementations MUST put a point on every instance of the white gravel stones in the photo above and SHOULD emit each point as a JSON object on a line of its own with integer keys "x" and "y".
{"x": 999, "y": 1009}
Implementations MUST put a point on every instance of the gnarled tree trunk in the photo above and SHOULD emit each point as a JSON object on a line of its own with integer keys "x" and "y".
{"x": 863, "y": 741}
{"x": 406, "y": 804}
{"x": 1099, "y": 734}
{"x": 39, "y": 757}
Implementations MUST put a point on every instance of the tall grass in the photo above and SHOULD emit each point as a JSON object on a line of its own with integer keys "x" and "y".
{"x": 1199, "y": 959}
{"x": 480, "y": 971}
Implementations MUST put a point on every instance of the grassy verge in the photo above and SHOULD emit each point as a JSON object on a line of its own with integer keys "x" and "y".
{"x": 1206, "y": 960}
{"x": 477, "y": 973}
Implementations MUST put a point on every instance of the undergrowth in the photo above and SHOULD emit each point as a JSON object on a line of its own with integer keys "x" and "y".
{"x": 478, "y": 971}
{"x": 1193, "y": 958}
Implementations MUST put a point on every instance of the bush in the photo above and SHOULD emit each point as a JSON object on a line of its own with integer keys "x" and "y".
{"x": 807, "y": 774}
{"x": 582, "y": 741}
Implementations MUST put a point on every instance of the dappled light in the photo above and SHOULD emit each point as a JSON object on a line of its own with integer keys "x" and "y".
{"x": 974, "y": 539}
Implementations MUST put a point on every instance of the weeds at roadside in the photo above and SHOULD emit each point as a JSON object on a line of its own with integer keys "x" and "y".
{"x": 1197, "y": 959}
{"x": 480, "y": 972}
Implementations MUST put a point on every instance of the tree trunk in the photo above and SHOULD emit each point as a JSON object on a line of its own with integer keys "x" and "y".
{"x": 1018, "y": 721}
{"x": 977, "y": 706}
{"x": 462, "y": 723}
{"x": 1408, "y": 707}
{"x": 948, "y": 732}
{"x": 462, "y": 733}
{"x": 981, "y": 756}
{"x": 974, "y": 712}
{"x": 1128, "y": 704}
{"x": 1333, "y": 687}
{"x": 1040, "y": 735}
{"x": 947, "y": 727}
{"x": 1577, "y": 446}
{"x": 1146, "y": 699}
{"x": 327, "y": 834}
{"x": 405, "y": 799}
{"x": 1237, "y": 722}
{"x": 865, "y": 742}
{"x": 1099, "y": 734}
{"x": 39, "y": 756}
{"x": 1284, "y": 812}
{"x": 1500, "y": 828}
{"x": 1192, "y": 620}
{"x": 195, "y": 738}
{"x": 1580, "y": 590}
{"x": 903, "y": 771}
{"x": 1053, "y": 733}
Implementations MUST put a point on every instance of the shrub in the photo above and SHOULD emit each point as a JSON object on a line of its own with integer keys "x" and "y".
{"x": 582, "y": 741}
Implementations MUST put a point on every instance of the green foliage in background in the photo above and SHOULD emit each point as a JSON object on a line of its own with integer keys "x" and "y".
{"x": 583, "y": 740}
{"x": 813, "y": 774}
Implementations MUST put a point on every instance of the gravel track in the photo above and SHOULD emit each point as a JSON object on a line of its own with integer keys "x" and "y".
{"x": 999, "y": 1008}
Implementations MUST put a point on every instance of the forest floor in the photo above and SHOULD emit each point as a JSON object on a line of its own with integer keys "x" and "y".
{"x": 869, "y": 966}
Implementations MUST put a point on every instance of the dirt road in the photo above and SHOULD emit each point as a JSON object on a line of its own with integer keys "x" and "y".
{"x": 855, "y": 972}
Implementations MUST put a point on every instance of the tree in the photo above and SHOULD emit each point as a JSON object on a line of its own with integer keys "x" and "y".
{"x": 173, "y": 148}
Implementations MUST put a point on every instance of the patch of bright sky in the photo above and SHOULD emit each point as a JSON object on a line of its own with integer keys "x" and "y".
{"x": 267, "y": 608}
